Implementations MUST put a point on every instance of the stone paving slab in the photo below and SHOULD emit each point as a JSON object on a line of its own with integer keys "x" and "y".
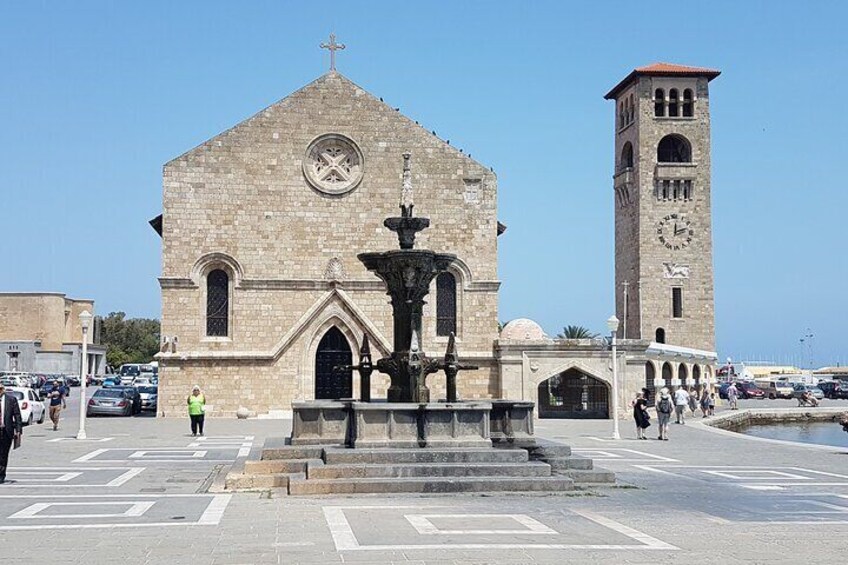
{"x": 709, "y": 517}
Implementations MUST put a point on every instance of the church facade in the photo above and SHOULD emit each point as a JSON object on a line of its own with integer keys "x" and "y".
{"x": 262, "y": 293}
{"x": 263, "y": 296}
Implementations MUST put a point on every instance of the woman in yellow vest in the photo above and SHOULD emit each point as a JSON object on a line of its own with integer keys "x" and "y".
{"x": 196, "y": 405}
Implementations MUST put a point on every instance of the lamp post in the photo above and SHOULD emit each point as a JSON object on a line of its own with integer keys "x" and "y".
{"x": 85, "y": 321}
{"x": 612, "y": 325}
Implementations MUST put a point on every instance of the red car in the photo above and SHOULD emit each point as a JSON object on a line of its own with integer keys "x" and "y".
{"x": 750, "y": 390}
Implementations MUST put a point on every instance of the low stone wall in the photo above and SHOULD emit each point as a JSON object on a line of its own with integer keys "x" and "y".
{"x": 736, "y": 420}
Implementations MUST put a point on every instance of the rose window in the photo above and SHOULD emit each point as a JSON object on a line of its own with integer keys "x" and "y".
{"x": 333, "y": 164}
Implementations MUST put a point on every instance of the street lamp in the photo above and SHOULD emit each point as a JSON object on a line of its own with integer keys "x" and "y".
{"x": 612, "y": 325}
{"x": 85, "y": 321}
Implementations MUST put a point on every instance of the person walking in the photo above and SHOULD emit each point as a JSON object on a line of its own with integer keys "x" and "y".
{"x": 57, "y": 403}
{"x": 11, "y": 427}
{"x": 681, "y": 403}
{"x": 693, "y": 401}
{"x": 196, "y": 410}
{"x": 705, "y": 402}
{"x": 641, "y": 416}
{"x": 733, "y": 397}
{"x": 664, "y": 409}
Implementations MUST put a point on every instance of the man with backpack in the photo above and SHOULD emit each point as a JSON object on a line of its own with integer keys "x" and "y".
{"x": 665, "y": 407}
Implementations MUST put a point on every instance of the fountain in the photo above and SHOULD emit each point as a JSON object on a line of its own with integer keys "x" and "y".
{"x": 408, "y": 418}
{"x": 407, "y": 442}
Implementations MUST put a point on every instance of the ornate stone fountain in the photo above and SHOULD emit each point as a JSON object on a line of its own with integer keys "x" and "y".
{"x": 409, "y": 418}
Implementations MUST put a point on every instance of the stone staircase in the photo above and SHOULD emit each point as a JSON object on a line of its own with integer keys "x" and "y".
{"x": 313, "y": 470}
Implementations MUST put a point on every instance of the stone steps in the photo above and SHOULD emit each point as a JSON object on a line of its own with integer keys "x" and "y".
{"x": 249, "y": 481}
{"x": 272, "y": 466}
{"x": 570, "y": 462}
{"x": 291, "y": 452}
{"x": 429, "y": 485}
{"x": 589, "y": 477}
{"x": 336, "y": 456}
{"x": 412, "y": 470}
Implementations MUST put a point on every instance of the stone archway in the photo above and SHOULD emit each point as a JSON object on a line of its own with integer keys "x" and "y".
{"x": 573, "y": 394}
{"x": 333, "y": 350}
{"x": 650, "y": 379}
{"x": 683, "y": 375}
{"x": 667, "y": 374}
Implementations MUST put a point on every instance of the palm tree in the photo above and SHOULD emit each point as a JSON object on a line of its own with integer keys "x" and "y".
{"x": 576, "y": 332}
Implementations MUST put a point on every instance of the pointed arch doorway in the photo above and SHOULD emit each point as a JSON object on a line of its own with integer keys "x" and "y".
{"x": 333, "y": 350}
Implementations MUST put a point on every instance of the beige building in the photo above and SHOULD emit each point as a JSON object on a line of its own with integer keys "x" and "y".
{"x": 40, "y": 332}
{"x": 260, "y": 230}
{"x": 262, "y": 293}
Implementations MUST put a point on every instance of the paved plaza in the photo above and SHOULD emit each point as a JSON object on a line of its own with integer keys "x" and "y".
{"x": 142, "y": 490}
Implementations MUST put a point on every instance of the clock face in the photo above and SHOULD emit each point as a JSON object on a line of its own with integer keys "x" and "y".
{"x": 675, "y": 232}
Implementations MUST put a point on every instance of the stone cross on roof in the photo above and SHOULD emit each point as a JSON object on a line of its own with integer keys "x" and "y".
{"x": 332, "y": 46}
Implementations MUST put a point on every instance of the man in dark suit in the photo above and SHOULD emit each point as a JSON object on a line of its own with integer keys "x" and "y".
{"x": 11, "y": 425}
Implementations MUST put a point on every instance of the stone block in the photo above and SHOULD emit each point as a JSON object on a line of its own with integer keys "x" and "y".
{"x": 320, "y": 422}
{"x": 512, "y": 423}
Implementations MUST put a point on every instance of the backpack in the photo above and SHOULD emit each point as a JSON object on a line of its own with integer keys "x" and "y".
{"x": 664, "y": 406}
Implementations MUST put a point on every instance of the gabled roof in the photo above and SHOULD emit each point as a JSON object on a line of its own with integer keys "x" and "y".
{"x": 662, "y": 69}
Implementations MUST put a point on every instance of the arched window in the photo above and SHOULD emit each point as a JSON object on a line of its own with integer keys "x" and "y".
{"x": 683, "y": 374}
{"x": 217, "y": 303}
{"x": 674, "y": 149}
{"x": 659, "y": 336}
{"x": 621, "y": 115}
{"x": 445, "y": 304}
{"x": 696, "y": 376}
{"x": 673, "y": 103}
{"x": 632, "y": 110}
{"x": 627, "y": 156}
{"x": 659, "y": 103}
{"x": 688, "y": 104}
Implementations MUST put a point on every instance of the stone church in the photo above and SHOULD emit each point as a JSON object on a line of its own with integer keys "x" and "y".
{"x": 263, "y": 296}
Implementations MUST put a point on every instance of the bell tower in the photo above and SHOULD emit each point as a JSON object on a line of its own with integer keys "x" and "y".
{"x": 663, "y": 220}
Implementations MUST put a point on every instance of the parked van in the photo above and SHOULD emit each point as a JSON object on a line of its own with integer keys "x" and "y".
{"x": 776, "y": 389}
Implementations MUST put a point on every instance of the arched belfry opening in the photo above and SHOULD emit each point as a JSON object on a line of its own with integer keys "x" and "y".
{"x": 333, "y": 350}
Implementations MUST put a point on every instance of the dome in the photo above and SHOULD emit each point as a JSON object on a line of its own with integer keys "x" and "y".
{"x": 523, "y": 328}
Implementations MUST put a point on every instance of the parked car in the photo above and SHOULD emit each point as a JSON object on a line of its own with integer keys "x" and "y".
{"x": 72, "y": 380}
{"x": 815, "y": 391}
{"x": 133, "y": 394}
{"x": 149, "y": 397}
{"x": 111, "y": 382}
{"x": 722, "y": 390}
{"x": 17, "y": 380}
{"x": 110, "y": 402}
{"x": 48, "y": 386}
{"x": 142, "y": 381}
{"x": 834, "y": 389}
{"x": 776, "y": 389}
{"x": 749, "y": 390}
{"x": 32, "y": 409}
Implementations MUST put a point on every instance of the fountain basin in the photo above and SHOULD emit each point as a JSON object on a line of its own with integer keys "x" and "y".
{"x": 368, "y": 425}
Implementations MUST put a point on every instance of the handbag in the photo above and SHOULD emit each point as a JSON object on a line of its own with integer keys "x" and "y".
{"x": 16, "y": 441}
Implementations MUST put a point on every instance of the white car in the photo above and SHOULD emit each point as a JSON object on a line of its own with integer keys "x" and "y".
{"x": 32, "y": 409}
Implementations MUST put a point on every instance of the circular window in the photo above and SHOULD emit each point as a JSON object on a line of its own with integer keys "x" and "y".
{"x": 333, "y": 164}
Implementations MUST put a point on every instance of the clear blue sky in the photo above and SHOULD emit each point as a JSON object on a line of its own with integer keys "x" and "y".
{"x": 97, "y": 96}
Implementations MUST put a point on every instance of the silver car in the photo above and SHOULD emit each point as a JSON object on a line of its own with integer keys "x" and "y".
{"x": 110, "y": 402}
{"x": 149, "y": 396}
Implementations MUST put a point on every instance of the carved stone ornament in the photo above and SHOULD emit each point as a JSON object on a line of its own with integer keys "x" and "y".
{"x": 675, "y": 271}
{"x": 335, "y": 270}
{"x": 333, "y": 164}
